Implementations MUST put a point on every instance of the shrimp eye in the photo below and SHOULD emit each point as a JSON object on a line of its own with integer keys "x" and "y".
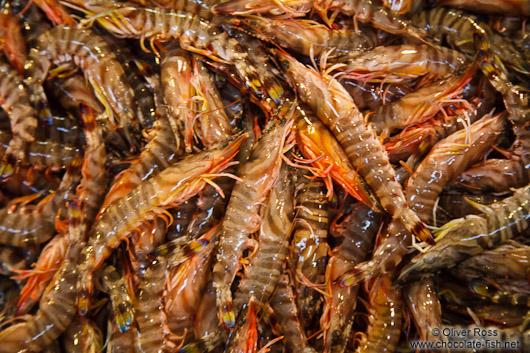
{"x": 285, "y": 64}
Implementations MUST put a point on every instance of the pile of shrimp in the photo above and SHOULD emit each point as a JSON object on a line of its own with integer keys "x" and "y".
{"x": 264, "y": 176}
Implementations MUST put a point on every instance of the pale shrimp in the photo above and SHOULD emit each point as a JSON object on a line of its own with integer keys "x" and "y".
{"x": 25, "y": 227}
{"x": 308, "y": 37}
{"x": 507, "y": 8}
{"x": 471, "y": 235}
{"x": 11, "y": 39}
{"x": 419, "y": 106}
{"x": 257, "y": 177}
{"x": 176, "y": 73}
{"x": 68, "y": 47}
{"x": 385, "y": 318}
{"x": 194, "y": 33}
{"x": 113, "y": 282}
{"x": 212, "y": 125}
{"x": 422, "y": 301}
{"x": 83, "y": 336}
{"x": 15, "y": 100}
{"x": 399, "y": 63}
{"x": 264, "y": 269}
{"x": 309, "y": 244}
{"x": 330, "y": 161}
{"x": 363, "y": 148}
{"x": 284, "y": 305}
{"x": 147, "y": 201}
{"x": 57, "y": 309}
{"x": 359, "y": 229}
{"x": 457, "y": 28}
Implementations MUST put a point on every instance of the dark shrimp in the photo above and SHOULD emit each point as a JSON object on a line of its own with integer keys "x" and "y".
{"x": 359, "y": 229}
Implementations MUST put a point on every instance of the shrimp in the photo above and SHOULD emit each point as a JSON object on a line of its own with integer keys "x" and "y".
{"x": 278, "y": 8}
{"x": 42, "y": 272}
{"x": 66, "y": 47}
{"x": 158, "y": 154}
{"x": 11, "y": 39}
{"x": 310, "y": 248}
{"x": 420, "y": 106}
{"x": 457, "y": 29}
{"x": 471, "y": 235}
{"x": 56, "y": 310}
{"x": 194, "y": 33}
{"x": 385, "y": 318}
{"x": 212, "y": 125}
{"x": 422, "y": 301}
{"x": 285, "y": 309}
{"x": 308, "y": 37}
{"x": 183, "y": 300}
{"x": 153, "y": 333}
{"x": 83, "y": 336}
{"x": 35, "y": 226}
{"x": 447, "y": 159}
{"x": 176, "y": 73}
{"x": 359, "y": 229}
{"x": 264, "y": 270}
{"x": 399, "y": 63}
{"x": 510, "y": 260}
{"x": 114, "y": 284}
{"x": 358, "y": 139}
{"x": 370, "y": 12}
{"x": 258, "y": 175}
{"x": 147, "y": 201}
{"x": 15, "y": 100}
{"x": 507, "y": 8}
{"x": 318, "y": 144}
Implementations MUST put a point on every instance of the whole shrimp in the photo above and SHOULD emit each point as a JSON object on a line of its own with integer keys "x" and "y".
{"x": 385, "y": 318}
{"x": 471, "y": 235}
{"x": 25, "y": 227}
{"x": 317, "y": 144}
{"x": 258, "y": 175}
{"x": 83, "y": 48}
{"x": 399, "y": 63}
{"x": 264, "y": 270}
{"x": 56, "y": 311}
{"x": 358, "y": 139}
{"x": 194, "y": 33}
{"x": 147, "y": 201}
{"x": 308, "y": 37}
{"x": 11, "y": 39}
{"x": 359, "y": 229}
